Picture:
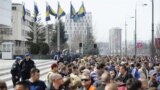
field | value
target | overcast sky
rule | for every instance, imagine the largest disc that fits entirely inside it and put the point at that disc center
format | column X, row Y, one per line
column 108, row 14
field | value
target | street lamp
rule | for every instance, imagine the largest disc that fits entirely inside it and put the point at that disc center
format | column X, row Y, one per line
column 136, row 29
column 126, row 51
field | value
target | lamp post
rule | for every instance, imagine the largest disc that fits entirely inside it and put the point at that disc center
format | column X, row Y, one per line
column 125, row 37
column 135, row 34
column 152, row 28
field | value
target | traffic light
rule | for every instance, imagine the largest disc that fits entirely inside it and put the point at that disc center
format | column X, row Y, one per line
column 80, row 44
column 95, row 45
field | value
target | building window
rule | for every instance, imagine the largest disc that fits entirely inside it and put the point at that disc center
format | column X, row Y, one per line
column 7, row 48
column 18, row 43
column 13, row 8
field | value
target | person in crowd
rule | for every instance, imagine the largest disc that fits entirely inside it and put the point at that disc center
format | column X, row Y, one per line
column 124, row 74
column 143, row 72
column 105, row 79
column 16, row 70
column 35, row 83
column 54, row 70
column 63, row 71
column 117, row 69
column 152, row 79
column 135, row 73
column 80, row 70
column 75, row 82
column 100, row 68
column 87, row 82
column 57, row 82
column 74, row 70
column 67, row 83
column 26, row 65
column 151, row 65
column 133, row 84
column 112, row 74
column 3, row 85
column 111, row 86
column 22, row 85
column 144, row 82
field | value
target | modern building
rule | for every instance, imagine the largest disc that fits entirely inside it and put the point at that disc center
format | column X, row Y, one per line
column 78, row 30
column 115, row 41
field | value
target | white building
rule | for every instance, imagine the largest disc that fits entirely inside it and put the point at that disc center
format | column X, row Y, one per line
column 115, row 41
column 5, row 19
column 20, row 28
column 77, row 30
column 18, row 33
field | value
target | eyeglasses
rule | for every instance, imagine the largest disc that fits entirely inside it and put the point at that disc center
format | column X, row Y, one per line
column 85, row 80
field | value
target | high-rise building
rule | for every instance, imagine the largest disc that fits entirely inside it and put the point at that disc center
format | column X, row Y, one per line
column 77, row 30
column 115, row 41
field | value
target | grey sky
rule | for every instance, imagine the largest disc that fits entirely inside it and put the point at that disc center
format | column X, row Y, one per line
column 108, row 14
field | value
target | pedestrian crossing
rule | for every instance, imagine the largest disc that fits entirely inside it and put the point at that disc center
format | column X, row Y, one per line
column 43, row 65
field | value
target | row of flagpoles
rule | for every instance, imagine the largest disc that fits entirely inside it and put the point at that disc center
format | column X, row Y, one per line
column 60, row 12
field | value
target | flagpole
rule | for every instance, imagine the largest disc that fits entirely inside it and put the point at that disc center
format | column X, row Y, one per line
column 82, row 43
column 35, row 33
column 70, row 37
column 24, row 35
column 58, row 34
column 23, row 27
column 47, row 32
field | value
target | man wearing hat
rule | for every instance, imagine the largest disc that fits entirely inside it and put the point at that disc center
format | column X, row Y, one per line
column 15, row 70
column 26, row 65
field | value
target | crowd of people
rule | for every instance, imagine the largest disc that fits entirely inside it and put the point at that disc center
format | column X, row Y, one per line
column 89, row 73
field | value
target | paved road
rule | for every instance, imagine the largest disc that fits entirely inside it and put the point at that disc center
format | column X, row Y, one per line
column 5, row 66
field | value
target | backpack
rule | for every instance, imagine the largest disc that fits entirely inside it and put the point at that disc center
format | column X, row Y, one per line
column 48, row 81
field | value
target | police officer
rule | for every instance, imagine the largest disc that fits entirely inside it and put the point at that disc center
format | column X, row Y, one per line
column 26, row 65
column 15, row 70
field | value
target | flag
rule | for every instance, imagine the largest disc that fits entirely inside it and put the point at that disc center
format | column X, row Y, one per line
column 60, row 11
column 47, row 12
column 23, row 13
column 52, row 12
column 81, row 11
column 36, row 12
column 72, row 12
